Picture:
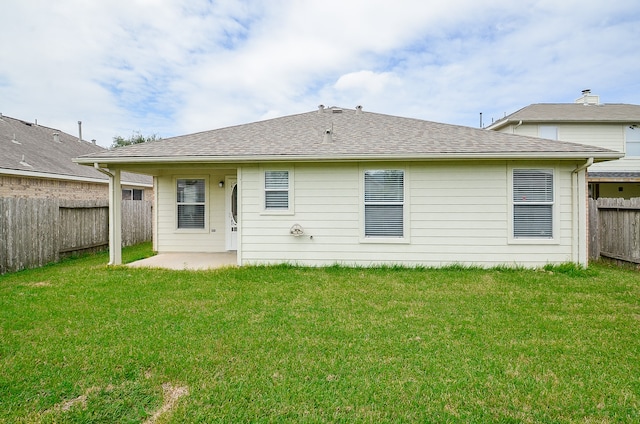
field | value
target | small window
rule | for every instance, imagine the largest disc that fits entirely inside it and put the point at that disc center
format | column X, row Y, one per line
column 132, row 194
column 191, row 203
column 632, row 137
column 384, row 203
column 533, row 200
column 548, row 131
column 276, row 190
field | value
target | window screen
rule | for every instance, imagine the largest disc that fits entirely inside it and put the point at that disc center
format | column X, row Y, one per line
column 533, row 203
column 191, row 203
column 384, row 203
column 276, row 190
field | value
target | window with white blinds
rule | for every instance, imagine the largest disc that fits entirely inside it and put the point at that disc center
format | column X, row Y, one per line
column 276, row 190
column 191, row 203
column 533, row 200
column 384, row 203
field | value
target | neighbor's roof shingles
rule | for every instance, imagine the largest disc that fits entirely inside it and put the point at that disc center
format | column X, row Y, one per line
column 355, row 135
column 43, row 155
column 572, row 113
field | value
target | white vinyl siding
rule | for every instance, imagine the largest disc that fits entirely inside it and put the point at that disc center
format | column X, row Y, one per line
column 190, row 199
column 276, row 190
column 455, row 212
column 211, row 238
column 533, row 200
column 384, row 203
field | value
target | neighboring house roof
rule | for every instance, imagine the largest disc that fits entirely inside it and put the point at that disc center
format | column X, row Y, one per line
column 343, row 134
column 33, row 150
column 572, row 113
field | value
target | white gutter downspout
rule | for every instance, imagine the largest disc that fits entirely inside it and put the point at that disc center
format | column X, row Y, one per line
column 580, row 250
column 115, row 215
column 516, row 127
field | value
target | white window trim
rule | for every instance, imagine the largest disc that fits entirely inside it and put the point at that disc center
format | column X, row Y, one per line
column 291, row 209
column 555, row 213
column 627, row 142
column 206, row 203
column 543, row 128
column 406, row 238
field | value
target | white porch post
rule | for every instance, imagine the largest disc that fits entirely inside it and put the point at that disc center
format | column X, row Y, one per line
column 115, row 218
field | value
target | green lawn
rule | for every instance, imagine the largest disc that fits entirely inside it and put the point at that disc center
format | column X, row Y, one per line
column 82, row 342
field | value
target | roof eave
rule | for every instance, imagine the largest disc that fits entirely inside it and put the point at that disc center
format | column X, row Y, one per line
column 598, row 157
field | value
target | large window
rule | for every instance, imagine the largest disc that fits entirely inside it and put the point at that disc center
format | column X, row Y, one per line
column 533, row 201
column 632, row 137
column 191, row 203
column 276, row 190
column 384, row 203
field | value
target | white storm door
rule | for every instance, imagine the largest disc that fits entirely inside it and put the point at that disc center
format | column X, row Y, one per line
column 232, row 212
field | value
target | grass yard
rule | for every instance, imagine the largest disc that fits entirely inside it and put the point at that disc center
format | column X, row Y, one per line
column 81, row 342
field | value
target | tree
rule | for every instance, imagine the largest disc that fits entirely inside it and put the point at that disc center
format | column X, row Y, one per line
column 136, row 138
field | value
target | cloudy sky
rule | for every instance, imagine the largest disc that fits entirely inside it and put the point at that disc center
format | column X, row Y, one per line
column 173, row 67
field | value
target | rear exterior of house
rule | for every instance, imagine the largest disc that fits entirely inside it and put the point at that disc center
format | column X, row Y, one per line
column 587, row 121
column 364, row 189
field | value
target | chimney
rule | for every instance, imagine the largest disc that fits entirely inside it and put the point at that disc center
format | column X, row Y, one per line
column 80, row 131
column 93, row 140
column 588, row 99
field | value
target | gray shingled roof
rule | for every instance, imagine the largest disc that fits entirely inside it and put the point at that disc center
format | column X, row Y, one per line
column 355, row 135
column 573, row 112
column 25, row 146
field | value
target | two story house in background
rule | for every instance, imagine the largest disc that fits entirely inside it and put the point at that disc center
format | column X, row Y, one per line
column 587, row 121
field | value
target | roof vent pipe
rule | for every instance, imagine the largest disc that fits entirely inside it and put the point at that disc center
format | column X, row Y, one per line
column 358, row 110
column 80, row 131
column 328, row 136
column 320, row 108
column 56, row 137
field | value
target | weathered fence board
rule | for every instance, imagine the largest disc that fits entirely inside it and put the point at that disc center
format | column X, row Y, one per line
column 34, row 232
column 615, row 225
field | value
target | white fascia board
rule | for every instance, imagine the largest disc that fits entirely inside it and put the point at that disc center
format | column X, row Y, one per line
column 598, row 156
column 49, row 176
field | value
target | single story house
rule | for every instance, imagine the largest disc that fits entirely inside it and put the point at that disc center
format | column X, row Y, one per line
column 36, row 161
column 346, row 186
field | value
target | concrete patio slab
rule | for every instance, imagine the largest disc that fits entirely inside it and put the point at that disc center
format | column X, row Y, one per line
column 188, row 261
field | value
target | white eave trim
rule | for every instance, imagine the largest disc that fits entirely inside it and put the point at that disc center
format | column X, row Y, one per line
column 104, row 162
column 49, row 176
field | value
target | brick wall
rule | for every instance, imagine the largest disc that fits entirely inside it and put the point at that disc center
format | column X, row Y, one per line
column 37, row 188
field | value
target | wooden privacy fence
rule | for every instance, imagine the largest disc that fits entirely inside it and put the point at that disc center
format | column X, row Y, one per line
column 614, row 229
column 34, row 232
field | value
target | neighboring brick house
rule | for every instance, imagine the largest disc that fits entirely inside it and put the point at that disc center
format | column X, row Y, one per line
column 612, row 126
column 36, row 162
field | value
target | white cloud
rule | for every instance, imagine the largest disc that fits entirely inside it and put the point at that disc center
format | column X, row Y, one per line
column 169, row 67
